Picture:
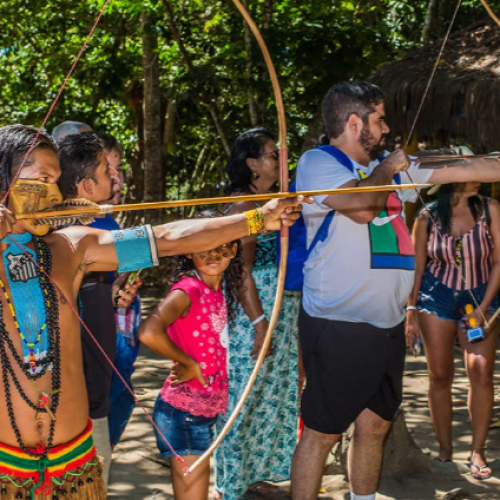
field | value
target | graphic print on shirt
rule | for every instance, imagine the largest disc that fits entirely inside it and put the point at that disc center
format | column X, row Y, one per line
column 390, row 241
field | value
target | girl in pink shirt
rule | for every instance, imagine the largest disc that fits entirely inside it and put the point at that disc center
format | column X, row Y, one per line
column 190, row 327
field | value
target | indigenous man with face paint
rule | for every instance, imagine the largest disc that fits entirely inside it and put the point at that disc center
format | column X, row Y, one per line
column 357, row 280
column 46, row 446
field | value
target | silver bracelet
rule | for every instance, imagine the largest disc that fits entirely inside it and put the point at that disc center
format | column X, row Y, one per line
column 258, row 320
column 411, row 308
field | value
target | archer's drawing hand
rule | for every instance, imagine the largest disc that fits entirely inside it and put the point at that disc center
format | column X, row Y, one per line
column 397, row 161
column 184, row 372
column 7, row 220
column 283, row 211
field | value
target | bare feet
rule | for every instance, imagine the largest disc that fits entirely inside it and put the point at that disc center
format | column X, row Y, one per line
column 479, row 466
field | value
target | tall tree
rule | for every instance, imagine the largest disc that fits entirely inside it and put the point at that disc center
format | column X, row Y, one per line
column 431, row 21
column 252, row 104
column 154, row 180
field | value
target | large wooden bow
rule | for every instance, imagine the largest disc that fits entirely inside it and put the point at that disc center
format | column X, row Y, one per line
column 490, row 12
column 284, row 186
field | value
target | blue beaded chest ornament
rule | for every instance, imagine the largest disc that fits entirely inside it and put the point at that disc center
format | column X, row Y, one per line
column 26, row 303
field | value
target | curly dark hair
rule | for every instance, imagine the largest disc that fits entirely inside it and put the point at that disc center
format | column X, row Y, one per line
column 250, row 144
column 234, row 275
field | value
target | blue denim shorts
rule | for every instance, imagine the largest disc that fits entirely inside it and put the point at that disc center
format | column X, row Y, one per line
column 447, row 303
column 188, row 434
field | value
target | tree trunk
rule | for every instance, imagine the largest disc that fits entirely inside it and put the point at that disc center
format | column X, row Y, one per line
column 214, row 112
column 402, row 457
column 263, row 93
column 428, row 32
column 135, row 176
column 211, row 104
column 154, row 182
column 168, row 145
column 252, row 106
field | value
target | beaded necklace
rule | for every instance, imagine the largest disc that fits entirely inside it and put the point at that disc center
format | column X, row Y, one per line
column 52, row 359
column 32, row 361
column 23, row 279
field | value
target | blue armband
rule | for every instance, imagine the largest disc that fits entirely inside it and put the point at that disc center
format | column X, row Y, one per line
column 135, row 248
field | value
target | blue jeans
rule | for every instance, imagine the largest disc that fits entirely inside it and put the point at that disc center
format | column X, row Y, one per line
column 447, row 303
column 188, row 434
column 122, row 405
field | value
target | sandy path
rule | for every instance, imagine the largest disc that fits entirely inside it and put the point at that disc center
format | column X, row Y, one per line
column 137, row 473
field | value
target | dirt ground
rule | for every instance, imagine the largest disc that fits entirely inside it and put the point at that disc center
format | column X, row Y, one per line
column 138, row 473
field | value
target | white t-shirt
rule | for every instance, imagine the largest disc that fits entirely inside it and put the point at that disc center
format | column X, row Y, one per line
column 361, row 272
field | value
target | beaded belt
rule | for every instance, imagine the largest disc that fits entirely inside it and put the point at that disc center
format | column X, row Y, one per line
column 64, row 463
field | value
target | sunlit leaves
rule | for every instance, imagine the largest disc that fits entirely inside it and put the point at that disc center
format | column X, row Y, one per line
column 314, row 44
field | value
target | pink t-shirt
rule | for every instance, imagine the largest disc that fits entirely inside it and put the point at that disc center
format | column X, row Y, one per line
column 202, row 334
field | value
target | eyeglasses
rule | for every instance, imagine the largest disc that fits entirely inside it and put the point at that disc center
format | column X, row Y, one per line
column 458, row 255
column 273, row 154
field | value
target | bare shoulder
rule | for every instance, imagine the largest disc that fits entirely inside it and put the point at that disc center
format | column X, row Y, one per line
column 74, row 240
column 72, row 236
column 494, row 208
column 493, row 204
column 423, row 222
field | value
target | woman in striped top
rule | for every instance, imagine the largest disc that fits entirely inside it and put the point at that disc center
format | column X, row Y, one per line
column 457, row 247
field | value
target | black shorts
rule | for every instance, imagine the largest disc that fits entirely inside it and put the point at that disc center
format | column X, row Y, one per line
column 349, row 367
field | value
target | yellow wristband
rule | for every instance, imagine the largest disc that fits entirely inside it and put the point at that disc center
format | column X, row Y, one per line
column 255, row 221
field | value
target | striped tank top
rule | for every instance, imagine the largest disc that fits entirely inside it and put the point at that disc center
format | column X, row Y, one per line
column 462, row 262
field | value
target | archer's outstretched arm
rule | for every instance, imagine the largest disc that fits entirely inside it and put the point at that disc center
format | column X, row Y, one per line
column 98, row 249
column 472, row 169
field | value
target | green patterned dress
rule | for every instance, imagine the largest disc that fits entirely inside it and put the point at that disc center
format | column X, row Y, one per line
column 260, row 445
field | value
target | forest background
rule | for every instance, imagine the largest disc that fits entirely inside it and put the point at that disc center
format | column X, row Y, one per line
column 177, row 82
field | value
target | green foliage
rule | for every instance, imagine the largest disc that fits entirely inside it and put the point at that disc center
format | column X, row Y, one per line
column 314, row 44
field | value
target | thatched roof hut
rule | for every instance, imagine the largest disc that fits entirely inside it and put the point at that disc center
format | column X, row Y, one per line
column 463, row 102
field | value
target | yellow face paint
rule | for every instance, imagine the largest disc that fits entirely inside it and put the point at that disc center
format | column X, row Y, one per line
column 31, row 195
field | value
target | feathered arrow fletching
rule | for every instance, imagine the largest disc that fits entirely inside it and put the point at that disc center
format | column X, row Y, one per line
column 55, row 221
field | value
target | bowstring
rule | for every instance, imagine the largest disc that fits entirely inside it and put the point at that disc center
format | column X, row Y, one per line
column 408, row 140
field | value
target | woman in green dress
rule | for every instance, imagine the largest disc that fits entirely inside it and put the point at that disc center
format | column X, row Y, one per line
column 260, row 445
